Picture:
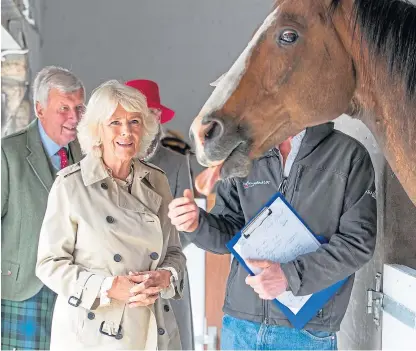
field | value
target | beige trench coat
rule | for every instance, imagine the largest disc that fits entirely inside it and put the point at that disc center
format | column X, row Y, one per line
column 95, row 229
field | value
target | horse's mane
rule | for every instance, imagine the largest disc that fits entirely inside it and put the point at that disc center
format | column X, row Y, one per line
column 389, row 28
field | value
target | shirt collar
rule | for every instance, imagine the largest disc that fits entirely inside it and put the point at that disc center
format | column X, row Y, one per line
column 50, row 146
column 295, row 144
column 296, row 141
column 93, row 170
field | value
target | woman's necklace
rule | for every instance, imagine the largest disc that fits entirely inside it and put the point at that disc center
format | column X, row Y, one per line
column 124, row 183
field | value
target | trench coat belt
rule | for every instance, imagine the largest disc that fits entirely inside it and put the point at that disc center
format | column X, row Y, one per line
column 112, row 324
column 86, row 290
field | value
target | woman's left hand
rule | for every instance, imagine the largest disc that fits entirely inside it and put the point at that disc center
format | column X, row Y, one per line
column 148, row 286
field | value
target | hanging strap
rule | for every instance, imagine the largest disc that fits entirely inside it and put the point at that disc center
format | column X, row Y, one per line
column 191, row 181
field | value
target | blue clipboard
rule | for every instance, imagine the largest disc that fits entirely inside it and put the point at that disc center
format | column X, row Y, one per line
column 317, row 300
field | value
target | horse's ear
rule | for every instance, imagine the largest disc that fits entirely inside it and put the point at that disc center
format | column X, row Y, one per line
column 218, row 80
column 255, row 31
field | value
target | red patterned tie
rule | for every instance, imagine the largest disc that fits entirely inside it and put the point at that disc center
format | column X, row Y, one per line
column 64, row 157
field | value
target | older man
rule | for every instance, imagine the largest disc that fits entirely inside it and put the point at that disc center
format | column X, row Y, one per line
column 30, row 160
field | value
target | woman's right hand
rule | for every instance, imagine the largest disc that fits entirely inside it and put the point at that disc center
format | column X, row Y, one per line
column 120, row 290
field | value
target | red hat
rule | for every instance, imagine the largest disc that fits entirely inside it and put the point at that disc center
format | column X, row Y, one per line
column 150, row 89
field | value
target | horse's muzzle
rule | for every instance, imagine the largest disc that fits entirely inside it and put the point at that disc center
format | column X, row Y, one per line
column 213, row 140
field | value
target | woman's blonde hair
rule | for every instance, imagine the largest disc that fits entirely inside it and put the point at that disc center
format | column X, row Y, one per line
column 101, row 106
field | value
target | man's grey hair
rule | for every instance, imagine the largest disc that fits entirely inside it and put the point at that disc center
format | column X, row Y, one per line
column 54, row 77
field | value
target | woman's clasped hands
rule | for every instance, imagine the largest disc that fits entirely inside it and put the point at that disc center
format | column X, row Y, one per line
column 139, row 288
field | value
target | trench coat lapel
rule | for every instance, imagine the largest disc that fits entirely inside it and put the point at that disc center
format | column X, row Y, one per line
column 143, row 188
column 142, row 198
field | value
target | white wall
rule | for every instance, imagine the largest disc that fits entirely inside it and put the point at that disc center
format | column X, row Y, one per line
column 182, row 44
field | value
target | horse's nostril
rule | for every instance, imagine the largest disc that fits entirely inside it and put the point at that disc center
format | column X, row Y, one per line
column 209, row 130
column 213, row 131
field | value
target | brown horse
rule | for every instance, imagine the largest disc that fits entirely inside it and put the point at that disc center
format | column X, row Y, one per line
column 309, row 62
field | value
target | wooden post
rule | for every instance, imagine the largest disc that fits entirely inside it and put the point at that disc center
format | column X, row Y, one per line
column 217, row 268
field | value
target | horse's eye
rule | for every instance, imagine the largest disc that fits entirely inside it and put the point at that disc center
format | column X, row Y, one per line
column 288, row 37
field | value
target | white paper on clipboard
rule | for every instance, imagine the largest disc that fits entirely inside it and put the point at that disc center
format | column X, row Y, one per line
column 278, row 235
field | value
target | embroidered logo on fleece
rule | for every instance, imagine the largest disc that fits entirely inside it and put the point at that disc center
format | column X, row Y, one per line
column 249, row 184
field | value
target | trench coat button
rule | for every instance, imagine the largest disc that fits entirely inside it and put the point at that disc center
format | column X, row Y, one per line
column 91, row 315
column 109, row 219
column 166, row 308
column 117, row 257
column 104, row 186
column 119, row 336
column 161, row 331
column 154, row 256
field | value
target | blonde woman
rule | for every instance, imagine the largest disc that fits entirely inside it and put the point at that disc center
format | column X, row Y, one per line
column 107, row 247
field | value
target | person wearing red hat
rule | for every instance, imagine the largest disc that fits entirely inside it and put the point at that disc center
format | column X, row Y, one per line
column 150, row 89
column 176, row 168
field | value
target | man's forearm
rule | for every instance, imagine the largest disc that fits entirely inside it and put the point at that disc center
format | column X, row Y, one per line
column 331, row 263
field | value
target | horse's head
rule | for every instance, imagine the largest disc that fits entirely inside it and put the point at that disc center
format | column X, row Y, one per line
column 294, row 73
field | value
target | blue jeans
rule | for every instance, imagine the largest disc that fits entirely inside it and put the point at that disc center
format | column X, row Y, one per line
column 238, row 334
